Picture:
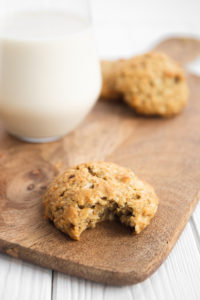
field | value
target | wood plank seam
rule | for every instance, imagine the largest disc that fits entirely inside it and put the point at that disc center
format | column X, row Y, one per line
column 195, row 233
column 52, row 284
column 154, row 293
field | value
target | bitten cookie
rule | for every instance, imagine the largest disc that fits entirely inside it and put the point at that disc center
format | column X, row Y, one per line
column 153, row 84
column 109, row 71
column 98, row 191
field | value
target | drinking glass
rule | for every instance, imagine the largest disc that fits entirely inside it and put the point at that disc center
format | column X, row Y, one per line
column 49, row 69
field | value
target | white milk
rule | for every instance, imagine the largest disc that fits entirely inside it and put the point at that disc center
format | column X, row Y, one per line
column 49, row 73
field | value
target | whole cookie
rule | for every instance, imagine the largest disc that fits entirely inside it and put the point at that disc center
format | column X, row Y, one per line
column 153, row 84
column 98, row 191
column 109, row 71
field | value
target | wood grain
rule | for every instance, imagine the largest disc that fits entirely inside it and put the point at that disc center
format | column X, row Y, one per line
column 184, row 49
column 163, row 152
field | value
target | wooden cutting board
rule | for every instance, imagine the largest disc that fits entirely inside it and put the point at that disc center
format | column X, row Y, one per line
column 165, row 152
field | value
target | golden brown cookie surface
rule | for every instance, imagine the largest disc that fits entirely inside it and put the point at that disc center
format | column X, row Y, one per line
column 153, row 84
column 98, row 191
column 109, row 71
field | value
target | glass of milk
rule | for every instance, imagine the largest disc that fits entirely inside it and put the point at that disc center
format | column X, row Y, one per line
column 49, row 69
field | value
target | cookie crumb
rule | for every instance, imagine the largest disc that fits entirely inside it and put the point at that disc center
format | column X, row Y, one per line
column 35, row 173
column 59, row 165
column 14, row 252
column 30, row 187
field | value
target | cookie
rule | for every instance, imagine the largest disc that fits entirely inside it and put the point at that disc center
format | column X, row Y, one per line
column 153, row 84
column 92, row 192
column 109, row 71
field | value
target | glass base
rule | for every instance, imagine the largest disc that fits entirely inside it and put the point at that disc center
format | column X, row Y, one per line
column 37, row 140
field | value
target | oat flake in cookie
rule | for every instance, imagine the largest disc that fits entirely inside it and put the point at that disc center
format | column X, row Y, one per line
column 98, row 191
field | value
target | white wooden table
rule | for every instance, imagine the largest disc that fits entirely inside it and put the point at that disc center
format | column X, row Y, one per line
column 123, row 28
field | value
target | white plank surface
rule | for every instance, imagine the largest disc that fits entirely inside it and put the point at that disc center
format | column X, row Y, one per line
column 20, row 280
column 195, row 223
column 123, row 28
